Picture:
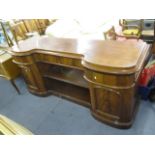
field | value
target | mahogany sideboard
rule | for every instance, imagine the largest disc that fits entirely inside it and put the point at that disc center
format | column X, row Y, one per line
column 101, row 75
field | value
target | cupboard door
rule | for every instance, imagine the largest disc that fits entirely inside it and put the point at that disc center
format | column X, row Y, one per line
column 29, row 77
column 106, row 101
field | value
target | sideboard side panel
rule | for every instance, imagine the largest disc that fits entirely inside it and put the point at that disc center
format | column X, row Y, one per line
column 31, row 74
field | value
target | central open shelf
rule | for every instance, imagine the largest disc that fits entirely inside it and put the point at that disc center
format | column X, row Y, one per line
column 68, row 75
column 66, row 82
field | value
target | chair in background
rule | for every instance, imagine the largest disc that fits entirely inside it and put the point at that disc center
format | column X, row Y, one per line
column 25, row 28
column 112, row 35
column 131, row 28
column 19, row 31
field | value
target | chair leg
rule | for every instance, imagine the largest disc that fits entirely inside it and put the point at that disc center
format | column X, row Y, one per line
column 14, row 85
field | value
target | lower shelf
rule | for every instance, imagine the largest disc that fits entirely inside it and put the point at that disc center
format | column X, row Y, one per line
column 69, row 91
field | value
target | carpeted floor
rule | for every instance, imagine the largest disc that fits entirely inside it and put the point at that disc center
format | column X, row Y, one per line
column 54, row 115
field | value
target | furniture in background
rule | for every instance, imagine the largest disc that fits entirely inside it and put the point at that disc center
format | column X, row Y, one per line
column 38, row 25
column 24, row 28
column 148, row 36
column 112, row 35
column 102, row 75
column 8, row 69
column 19, row 31
column 148, row 30
column 6, row 36
column 131, row 27
column 9, row 127
column 5, row 26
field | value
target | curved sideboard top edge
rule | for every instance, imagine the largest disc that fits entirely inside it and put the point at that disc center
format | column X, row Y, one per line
column 102, row 56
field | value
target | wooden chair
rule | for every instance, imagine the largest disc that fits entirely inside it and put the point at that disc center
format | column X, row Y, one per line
column 24, row 28
column 112, row 35
column 19, row 31
column 129, row 29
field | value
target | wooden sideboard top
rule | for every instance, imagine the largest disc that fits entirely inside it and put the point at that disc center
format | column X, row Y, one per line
column 46, row 43
column 96, row 54
column 116, row 55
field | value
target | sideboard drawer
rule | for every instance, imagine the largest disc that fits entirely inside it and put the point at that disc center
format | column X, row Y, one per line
column 110, row 79
column 46, row 58
column 64, row 61
column 70, row 62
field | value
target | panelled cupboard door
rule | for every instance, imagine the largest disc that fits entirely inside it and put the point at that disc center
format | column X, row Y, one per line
column 29, row 77
column 105, row 101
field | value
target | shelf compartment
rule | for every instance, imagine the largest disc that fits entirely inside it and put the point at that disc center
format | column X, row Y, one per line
column 69, row 91
column 71, row 76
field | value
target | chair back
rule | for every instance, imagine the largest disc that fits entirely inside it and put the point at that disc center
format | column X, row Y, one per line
column 110, row 34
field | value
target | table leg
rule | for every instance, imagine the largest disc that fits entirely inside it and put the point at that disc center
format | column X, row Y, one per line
column 14, row 85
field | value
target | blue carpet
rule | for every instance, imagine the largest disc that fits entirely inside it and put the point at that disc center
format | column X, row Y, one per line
column 53, row 115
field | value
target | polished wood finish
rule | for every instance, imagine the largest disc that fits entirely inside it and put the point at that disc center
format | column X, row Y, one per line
column 102, row 75
column 116, row 56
